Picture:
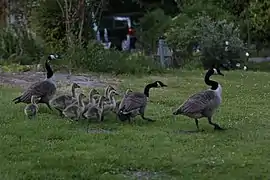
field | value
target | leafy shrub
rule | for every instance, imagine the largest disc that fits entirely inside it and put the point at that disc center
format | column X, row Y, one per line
column 209, row 36
column 19, row 46
column 152, row 26
column 96, row 59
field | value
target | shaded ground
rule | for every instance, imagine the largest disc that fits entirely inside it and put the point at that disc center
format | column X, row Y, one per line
column 24, row 79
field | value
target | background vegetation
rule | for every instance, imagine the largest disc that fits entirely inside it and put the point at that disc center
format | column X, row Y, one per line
column 64, row 26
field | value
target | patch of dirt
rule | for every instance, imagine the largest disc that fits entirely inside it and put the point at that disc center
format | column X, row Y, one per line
column 145, row 175
column 25, row 79
column 100, row 131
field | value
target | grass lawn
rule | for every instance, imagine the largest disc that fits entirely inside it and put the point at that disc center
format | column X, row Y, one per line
column 51, row 148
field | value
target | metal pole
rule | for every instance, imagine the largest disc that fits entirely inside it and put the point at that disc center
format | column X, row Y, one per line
column 161, row 51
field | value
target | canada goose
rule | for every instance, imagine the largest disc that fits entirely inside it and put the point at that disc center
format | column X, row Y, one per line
column 62, row 101
column 31, row 110
column 204, row 103
column 96, row 110
column 119, row 101
column 75, row 110
column 107, row 91
column 106, row 94
column 91, row 101
column 134, row 103
column 110, row 106
column 44, row 90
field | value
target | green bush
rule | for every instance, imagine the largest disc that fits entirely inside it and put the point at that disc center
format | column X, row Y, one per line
column 210, row 35
column 17, row 45
column 152, row 26
column 96, row 59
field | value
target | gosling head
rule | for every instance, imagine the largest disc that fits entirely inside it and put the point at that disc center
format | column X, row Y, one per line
column 75, row 85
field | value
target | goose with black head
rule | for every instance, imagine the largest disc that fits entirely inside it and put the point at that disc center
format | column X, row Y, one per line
column 45, row 90
column 204, row 103
column 134, row 103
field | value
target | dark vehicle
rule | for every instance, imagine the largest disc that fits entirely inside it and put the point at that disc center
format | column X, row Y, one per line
column 119, row 29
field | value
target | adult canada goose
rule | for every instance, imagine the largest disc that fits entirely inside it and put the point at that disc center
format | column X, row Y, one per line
column 134, row 103
column 44, row 90
column 62, row 101
column 75, row 110
column 31, row 110
column 204, row 103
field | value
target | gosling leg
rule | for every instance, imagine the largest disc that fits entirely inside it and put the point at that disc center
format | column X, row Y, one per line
column 60, row 112
column 49, row 106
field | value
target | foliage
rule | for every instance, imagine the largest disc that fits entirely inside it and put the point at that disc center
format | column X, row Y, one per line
column 259, row 15
column 19, row 45
column 209, row 36
column 152, row 26
column 62, row 22
column 49, row 23
column 97, row 59
column 198, row 8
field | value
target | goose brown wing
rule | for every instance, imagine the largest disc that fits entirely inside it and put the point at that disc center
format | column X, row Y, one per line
column 198, row 102
column 133, row 101
column 39, row 89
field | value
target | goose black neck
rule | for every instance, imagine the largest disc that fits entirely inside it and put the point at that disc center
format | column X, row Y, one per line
column 213, row 84
column 147, row 89
column 49, row 70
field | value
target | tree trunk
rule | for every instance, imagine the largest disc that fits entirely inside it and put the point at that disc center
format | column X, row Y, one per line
column 3, row 13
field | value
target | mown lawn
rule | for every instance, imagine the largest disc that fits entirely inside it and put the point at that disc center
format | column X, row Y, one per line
column 51, row 148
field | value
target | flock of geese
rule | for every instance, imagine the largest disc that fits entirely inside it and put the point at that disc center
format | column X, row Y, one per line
column 200, row 105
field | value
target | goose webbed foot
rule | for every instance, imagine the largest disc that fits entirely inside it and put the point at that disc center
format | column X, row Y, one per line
column 147, row 119
column 216, row 126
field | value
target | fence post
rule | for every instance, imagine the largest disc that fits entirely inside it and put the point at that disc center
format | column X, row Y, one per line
column 161, row 51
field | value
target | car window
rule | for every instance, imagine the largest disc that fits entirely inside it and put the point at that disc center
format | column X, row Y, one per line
column 106, row 23
column 120, row 24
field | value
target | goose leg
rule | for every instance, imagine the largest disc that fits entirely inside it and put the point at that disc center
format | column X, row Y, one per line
column 141, row 111
column 197, row 125
column 216, row 126
column 147, row 119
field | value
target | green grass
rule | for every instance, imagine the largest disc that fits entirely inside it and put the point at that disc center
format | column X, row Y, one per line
column 52, row 148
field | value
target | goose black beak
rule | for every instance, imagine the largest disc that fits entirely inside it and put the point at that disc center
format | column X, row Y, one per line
column 221, row 74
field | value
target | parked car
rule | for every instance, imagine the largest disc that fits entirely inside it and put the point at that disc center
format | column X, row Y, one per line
column 120, row 31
